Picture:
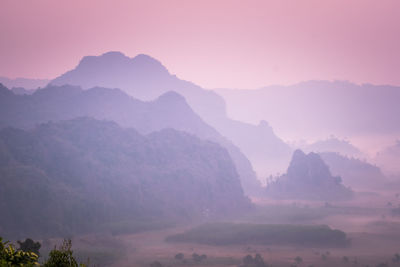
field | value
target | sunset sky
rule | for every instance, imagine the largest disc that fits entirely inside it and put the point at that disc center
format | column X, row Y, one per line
column 214, row 43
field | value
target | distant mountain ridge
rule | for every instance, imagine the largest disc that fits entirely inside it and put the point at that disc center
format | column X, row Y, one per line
column 333, row 144
column 319, row 108
column 388, row 158
column 170, row 110
column 145, row 78
column 142, row 77
column 27, row 84
column 355, row 173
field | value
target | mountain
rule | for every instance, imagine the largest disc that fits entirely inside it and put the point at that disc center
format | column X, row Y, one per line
column 27, row 84
column 315, row 109
column 170, row 110
column 22, row 91
column 333, row 144
column 145, row 78
column 356, row 173
column 388, row 159
column 73, row 176
column 142, row 77
column 267, row 152
column 308, row 178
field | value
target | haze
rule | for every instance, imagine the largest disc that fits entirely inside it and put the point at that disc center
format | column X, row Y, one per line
column 199, row 133
column 225, row 43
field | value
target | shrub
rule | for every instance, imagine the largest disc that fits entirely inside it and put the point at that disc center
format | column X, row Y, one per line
column 62, row 257
column 9, row 256
column 345, row 259
column 257, row 261
column 30, row 246
column 179, row 256
column 156, row 264
column 298, row 260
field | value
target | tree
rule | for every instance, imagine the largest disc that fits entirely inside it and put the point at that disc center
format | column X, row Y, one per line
column 156, row 264
column 345, row 259
column 9, row 256
column 298, row 260
column 196, row 257
column 257, row 261
column 29, row 246
column 62, row 257
column 179, row 256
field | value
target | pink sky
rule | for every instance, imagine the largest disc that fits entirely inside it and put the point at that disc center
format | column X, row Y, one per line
column 214, row 43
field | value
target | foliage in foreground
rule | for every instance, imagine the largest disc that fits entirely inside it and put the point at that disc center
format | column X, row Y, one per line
column 30, row 246
column 61, row 257
column 10, row 256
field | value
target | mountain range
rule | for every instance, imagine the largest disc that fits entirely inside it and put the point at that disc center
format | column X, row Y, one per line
column 55, row 103
column 388, row 158
column 25, row 83
column 73, row 176
column 333, row 144
column 356, row 173
column 317, row 109
column 145, row 78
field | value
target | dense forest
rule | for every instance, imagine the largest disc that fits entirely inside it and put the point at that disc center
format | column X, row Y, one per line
column 73, row 176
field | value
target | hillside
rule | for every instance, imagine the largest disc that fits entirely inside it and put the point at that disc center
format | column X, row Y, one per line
column 319, row 108
column 308, row 178
column 333, row 144
column 73, row 176
column 142, row 77
column 145, row 78
column 388, row 158
column 27, row 84
column 170, row 110
column 355, row 173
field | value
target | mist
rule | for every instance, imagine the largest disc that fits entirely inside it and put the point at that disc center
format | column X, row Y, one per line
column 146, row 153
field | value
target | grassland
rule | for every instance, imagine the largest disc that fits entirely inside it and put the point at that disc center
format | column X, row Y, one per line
column 265, row 234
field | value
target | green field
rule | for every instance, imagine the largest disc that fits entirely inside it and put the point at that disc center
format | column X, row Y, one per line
column 263, row 234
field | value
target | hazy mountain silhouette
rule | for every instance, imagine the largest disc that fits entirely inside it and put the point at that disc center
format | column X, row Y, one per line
column 142, row 77
column 308, row 177
column 145, row 78
column 388, row 158
column 319, row 108
column 333, row 144
column 65, row 177
column 268, row 154
column 170, row 110
column 355, row 173
column 27, row 84
column 22, row 91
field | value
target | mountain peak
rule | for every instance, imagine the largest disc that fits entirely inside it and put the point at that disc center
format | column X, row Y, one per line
column 114, row 54
column 2, row 86
column 172, row 97
column 308, row 177
column 298, row 153
column 4, row 91
column 116, row 70
column 112, row 57
column 146, row 58
column 119, row 58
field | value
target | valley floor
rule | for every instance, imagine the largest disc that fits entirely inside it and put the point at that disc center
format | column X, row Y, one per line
column 374, row 233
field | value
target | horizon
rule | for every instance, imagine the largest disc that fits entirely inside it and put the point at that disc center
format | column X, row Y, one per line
column 215, row 88
column 224, row 44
